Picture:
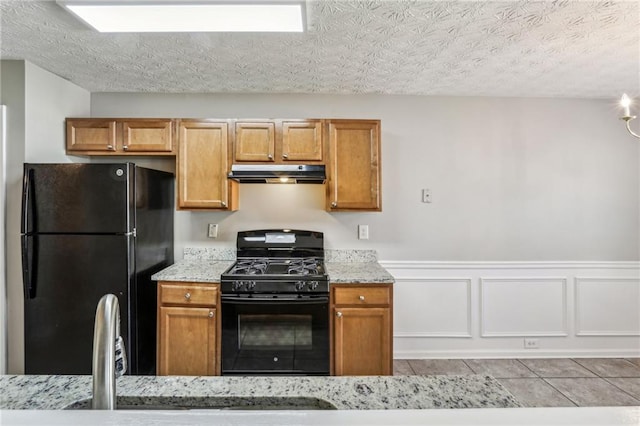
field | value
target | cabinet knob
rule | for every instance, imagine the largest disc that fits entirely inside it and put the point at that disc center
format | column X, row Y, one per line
column 339, row 314
column 110, row 147
column 223, row 204
column 285, row 156
column 361, row 298
column 210, row 314
column 334, row 204
column 270, row 157
column 125, row 147
column 187, row 295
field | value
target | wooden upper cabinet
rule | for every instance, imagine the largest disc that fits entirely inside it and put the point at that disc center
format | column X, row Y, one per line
column 278, row 141
column 302, row 140
column 108, row 136
column 95, row 135
column 203, row 165
column 147, row 136
column 353, row 165
column 254, row 141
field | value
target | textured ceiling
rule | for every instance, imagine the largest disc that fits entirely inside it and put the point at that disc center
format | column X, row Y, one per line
column 477, row 48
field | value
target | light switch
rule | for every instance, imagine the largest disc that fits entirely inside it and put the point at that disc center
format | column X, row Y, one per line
column 363, row 232
column 426, row 195
column 213, row 230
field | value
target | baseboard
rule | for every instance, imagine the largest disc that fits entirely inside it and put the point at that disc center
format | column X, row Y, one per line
column 506, row 354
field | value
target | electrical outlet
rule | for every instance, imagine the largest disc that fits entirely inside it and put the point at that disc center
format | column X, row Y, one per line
column 363, row 232
column 531, row 344
column 426, row 195
column 212, row 231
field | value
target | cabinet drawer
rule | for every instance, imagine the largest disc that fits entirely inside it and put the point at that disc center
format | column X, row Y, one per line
column 362, row 295
column 188, row 294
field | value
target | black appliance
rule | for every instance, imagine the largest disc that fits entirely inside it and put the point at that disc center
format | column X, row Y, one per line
column 89, row 230
column 277, row 173
column 275, row 305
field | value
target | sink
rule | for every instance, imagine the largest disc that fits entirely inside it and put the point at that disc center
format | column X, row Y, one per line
column 211, row 403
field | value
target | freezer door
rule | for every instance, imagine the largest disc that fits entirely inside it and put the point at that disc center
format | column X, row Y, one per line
column 69, row 274
column 78, row 198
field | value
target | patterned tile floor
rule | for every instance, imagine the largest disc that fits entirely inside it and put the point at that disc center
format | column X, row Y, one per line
column 561, row 382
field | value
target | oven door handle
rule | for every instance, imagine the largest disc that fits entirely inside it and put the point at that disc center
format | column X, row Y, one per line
column 274, row 300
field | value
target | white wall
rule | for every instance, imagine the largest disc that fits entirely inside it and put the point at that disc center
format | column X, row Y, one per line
column 3, row 271
column 37, row 104
column 535, row 216
column 512, row 179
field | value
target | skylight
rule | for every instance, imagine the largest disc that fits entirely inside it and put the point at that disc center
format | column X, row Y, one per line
column 175, row 16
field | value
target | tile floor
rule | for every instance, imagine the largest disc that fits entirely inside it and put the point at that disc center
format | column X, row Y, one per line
column 561, row 382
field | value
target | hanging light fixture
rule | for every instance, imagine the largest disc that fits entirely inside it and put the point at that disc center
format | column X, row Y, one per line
column 625, row 102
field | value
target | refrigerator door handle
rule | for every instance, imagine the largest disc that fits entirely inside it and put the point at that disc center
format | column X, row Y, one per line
column 29, row 260
column 27, row 202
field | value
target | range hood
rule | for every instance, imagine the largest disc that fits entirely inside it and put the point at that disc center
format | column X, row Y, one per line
column 277, row 173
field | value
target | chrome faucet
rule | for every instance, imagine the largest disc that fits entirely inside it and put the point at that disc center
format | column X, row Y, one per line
column 109, row 358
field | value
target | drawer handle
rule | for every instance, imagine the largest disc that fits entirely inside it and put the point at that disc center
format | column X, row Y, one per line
column 210, row 314
column 223, row 204
column 339, row 314
column 334, row 204
column 285, row 156
column 361, row 298
column 187, row 295
column 270, row 157
column 125, row 147
column 110, row 147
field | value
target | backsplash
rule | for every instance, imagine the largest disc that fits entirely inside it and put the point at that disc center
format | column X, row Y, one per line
column 209, row 253
column 331, row 255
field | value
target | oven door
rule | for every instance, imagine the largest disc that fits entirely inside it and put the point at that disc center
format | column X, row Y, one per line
column 275, row 334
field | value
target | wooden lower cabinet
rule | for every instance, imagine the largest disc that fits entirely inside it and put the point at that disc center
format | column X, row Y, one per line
column 362, row 330
column 187, row 341
column 188, row 329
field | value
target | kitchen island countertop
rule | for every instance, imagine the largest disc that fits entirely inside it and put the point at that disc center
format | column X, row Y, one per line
column 342, row 393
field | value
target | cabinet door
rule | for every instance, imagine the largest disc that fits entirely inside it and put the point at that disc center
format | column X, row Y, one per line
column 91, row 135
column 302, row 140
column 353, row 168
column 254, row 141
column 147, row 136
column 203, row 164
column 187, row 341
column 362, row 341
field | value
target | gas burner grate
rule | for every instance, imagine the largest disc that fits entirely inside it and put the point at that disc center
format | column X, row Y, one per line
column 250, row 267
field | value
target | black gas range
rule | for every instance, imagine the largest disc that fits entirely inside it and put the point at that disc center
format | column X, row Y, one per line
column 275, row 305
column 277, row 262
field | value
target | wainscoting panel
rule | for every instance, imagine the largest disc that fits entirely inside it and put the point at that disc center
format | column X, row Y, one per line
column 488, row 309
column 523, row 306
column 443, row 306
column 607, row 306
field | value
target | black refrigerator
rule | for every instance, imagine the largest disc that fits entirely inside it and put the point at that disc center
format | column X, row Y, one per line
column 89, row 230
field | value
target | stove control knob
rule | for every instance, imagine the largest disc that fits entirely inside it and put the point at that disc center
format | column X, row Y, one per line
column 237, row 285
column 313, row 285
column 251, row 285
column 300, row 285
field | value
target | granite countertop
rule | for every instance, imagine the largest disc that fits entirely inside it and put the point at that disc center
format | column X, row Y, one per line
column 194, row 270
column 342, row 393
column 343, row 266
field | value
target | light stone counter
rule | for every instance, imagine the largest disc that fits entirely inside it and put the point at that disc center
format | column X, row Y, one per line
column 342, row 393
column 357, row 272
column 201, row 271
column 343, row 267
